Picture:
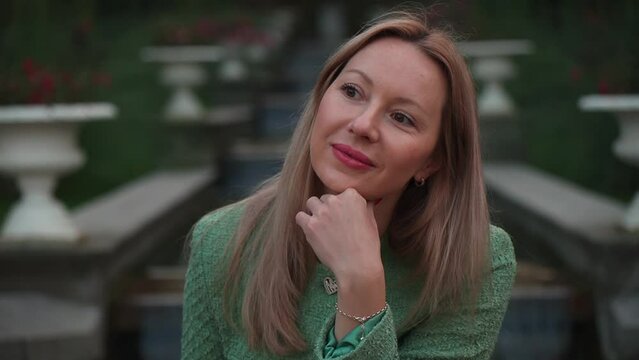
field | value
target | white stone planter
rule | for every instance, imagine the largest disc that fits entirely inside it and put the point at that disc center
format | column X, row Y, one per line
column 492, row 66
column 233, row 69
column 626, row 147
column 184, row 71
column 37, row 145
column 331, row 24
column 278, row 26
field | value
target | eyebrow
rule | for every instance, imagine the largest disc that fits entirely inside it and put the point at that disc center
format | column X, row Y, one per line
column 399, row 99
column 362, row 74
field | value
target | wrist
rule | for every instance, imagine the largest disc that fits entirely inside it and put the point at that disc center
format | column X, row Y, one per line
column 361, row 319
column 366, row 291
column 356, row 281
column 360, row 276
column 358, row 297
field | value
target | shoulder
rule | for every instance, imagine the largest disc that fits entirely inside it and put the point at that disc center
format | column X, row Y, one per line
column 221, row 222
column 502, row 271
column 502, row 251
column 211, row 234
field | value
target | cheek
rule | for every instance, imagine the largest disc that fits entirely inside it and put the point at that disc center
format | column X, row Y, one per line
column 324, row 113
column 413, row 157
column 326, row 123
column 316, row 142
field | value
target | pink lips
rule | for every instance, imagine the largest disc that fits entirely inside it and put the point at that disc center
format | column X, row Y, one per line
column 351, row 157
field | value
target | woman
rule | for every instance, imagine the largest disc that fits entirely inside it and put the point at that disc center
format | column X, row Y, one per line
column 374, row 240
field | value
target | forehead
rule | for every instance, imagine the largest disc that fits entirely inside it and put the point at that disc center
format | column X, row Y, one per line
column 401, row 68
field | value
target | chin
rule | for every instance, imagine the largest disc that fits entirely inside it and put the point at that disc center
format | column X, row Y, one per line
column 338, row 187
column 333, row 185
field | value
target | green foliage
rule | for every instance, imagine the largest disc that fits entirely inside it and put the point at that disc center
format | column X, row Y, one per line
column 580, row 48
column 130, row 145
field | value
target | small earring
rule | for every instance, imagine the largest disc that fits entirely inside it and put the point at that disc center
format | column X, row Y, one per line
column 420, row 182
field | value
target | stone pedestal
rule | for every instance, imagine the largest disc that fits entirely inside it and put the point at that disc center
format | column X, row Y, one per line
column 38, row 145
column 626, row 147
column 205, row 141
column 492, row 66
column 183, row 71
column 124, row 230
column 501, row 135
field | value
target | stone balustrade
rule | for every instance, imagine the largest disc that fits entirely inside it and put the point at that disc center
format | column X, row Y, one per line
column 577, row 231
column 123, row 229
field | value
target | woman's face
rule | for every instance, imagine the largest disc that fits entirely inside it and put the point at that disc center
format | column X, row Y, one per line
column 378, row 123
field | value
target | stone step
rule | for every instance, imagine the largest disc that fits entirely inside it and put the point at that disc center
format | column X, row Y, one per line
column 38, row 327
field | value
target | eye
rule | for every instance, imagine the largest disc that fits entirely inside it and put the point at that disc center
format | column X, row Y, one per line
column 350, row 90
column 402, row 118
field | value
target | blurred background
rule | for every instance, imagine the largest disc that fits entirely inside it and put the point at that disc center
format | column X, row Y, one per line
column 123, row 122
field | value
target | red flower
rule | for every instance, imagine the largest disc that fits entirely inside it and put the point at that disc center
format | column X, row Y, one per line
column 47, row 85
column 206, row 29
column 37, row 84
column 603, row 87
column 67, row 78
column 36, row 97
column 29, row 67
column 102, row 79
column 180, row 36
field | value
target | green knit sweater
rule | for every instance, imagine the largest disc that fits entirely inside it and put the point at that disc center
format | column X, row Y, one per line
column 454, row 335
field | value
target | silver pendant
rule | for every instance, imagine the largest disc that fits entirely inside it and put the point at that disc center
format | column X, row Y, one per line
column 330, row 286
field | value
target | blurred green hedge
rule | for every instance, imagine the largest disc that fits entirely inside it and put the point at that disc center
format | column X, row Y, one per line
column 581, row 48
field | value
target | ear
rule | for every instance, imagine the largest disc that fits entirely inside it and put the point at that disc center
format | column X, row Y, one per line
column 432, row 165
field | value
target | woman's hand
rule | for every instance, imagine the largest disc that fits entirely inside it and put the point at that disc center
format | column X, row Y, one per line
column 342, row 231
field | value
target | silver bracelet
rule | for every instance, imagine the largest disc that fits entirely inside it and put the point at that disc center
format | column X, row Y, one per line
column 361, row 319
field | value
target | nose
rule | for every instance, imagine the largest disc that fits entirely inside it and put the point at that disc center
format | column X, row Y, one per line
column 366, row 124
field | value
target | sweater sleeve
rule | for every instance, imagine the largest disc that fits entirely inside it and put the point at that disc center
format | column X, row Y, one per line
column 200, row 334
column 448, row 336
column 334, row 348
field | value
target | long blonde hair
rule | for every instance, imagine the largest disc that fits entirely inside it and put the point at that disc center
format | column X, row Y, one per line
column 442, row 227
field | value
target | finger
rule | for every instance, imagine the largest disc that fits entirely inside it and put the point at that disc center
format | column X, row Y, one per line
column 371, row 205
column 313, row 204
column 350, row 192
column 355, row 196
column 324, row 198
column 302, row 218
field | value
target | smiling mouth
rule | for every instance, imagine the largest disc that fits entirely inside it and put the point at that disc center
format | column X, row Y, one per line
column 351, row 157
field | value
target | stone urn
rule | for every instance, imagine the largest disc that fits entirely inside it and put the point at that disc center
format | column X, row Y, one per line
column 501, row 134
column 37, row 146
column 233, row 68
column 626, row 146
column 492, row 66
column 183, row 71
